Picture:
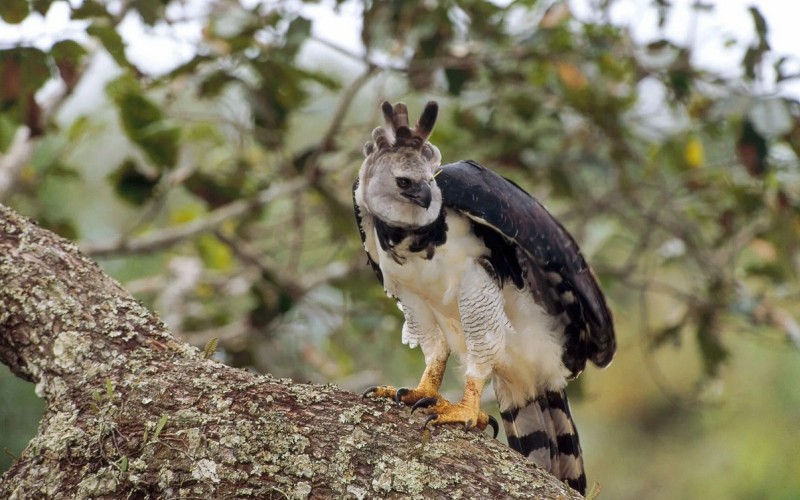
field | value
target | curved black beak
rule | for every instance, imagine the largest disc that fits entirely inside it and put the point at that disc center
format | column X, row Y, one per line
column 419, row 193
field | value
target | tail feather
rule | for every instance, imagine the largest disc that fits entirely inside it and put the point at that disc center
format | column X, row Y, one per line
column 543, row 430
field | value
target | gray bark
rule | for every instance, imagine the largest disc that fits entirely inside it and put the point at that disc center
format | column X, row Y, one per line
column 131, row 412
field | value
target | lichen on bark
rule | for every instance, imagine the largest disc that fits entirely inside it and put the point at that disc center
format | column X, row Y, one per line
column 133, row 413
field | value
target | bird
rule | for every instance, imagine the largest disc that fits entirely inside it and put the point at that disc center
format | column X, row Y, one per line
column 482, row 270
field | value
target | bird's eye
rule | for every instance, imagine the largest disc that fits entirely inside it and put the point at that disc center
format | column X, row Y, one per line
column 403, row 182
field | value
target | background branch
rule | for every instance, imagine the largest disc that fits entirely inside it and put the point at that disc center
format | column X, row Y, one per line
column 163, row 238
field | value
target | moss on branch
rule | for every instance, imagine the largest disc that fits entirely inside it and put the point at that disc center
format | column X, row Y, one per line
column 132, row 412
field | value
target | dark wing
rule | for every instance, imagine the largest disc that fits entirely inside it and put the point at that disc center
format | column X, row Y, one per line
column 359, row 222
column 529, row 245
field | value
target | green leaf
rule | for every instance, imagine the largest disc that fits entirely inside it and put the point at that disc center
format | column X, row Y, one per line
column 770, row 270
column 680, row 82
column 285, row 303
column 8, row 128
column 23, row 70
column 125, row 85
column 137, row 112
column 760, row 25
column 48, row 154
column 130, row 184
column 188, row 68
column 160, row 426
column 712, row 351
column 150, row 10
column 298, row 32
column 111, row 40
column 160, row 142
column 213, row 84
column 215, row 254
column 78, row 129
column 41, row 6
column 62, row 227
column 668, row 334
column 144, row 123
column 561, row 182
column 456, row 79
column 67, row 51
column 750, row 61
column 90, row 9
column 14, row 11
column 68, row 56
column 752, row 150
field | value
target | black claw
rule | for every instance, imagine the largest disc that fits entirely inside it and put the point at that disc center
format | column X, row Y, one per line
column 468, row 425
column 398, row 395
column 369, row 391
column 424, row 403
column 494, row 425
column 427, row 420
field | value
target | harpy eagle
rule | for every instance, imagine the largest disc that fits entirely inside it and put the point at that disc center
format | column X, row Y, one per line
column 481, row 269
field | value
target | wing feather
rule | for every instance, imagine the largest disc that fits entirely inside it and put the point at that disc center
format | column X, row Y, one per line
column 529, row 243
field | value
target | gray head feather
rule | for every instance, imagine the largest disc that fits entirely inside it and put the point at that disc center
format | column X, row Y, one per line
column 396, row 181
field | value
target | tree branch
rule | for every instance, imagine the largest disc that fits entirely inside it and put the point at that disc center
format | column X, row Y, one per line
column 170, row 236
column 11, row 163
column 131, row 412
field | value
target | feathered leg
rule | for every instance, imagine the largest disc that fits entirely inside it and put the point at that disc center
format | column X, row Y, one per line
column 420, row 329
column 484, row 323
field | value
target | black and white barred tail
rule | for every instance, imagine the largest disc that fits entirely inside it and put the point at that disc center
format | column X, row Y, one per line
column 544, row 431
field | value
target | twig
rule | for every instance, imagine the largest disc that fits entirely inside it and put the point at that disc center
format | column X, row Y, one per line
column 19, row 153
column 271, row 271
column 226, row 333
column 158, row 240
column 326, row 144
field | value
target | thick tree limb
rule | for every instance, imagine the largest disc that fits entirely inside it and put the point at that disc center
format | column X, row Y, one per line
column 133, row 413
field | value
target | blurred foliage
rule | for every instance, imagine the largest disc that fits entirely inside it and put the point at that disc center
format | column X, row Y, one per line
column 19, row 420
column 219, row 193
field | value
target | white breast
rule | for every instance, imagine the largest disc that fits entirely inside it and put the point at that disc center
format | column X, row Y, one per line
column 435, row 281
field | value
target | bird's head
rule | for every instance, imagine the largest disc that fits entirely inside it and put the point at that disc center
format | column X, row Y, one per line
column 396, row 179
